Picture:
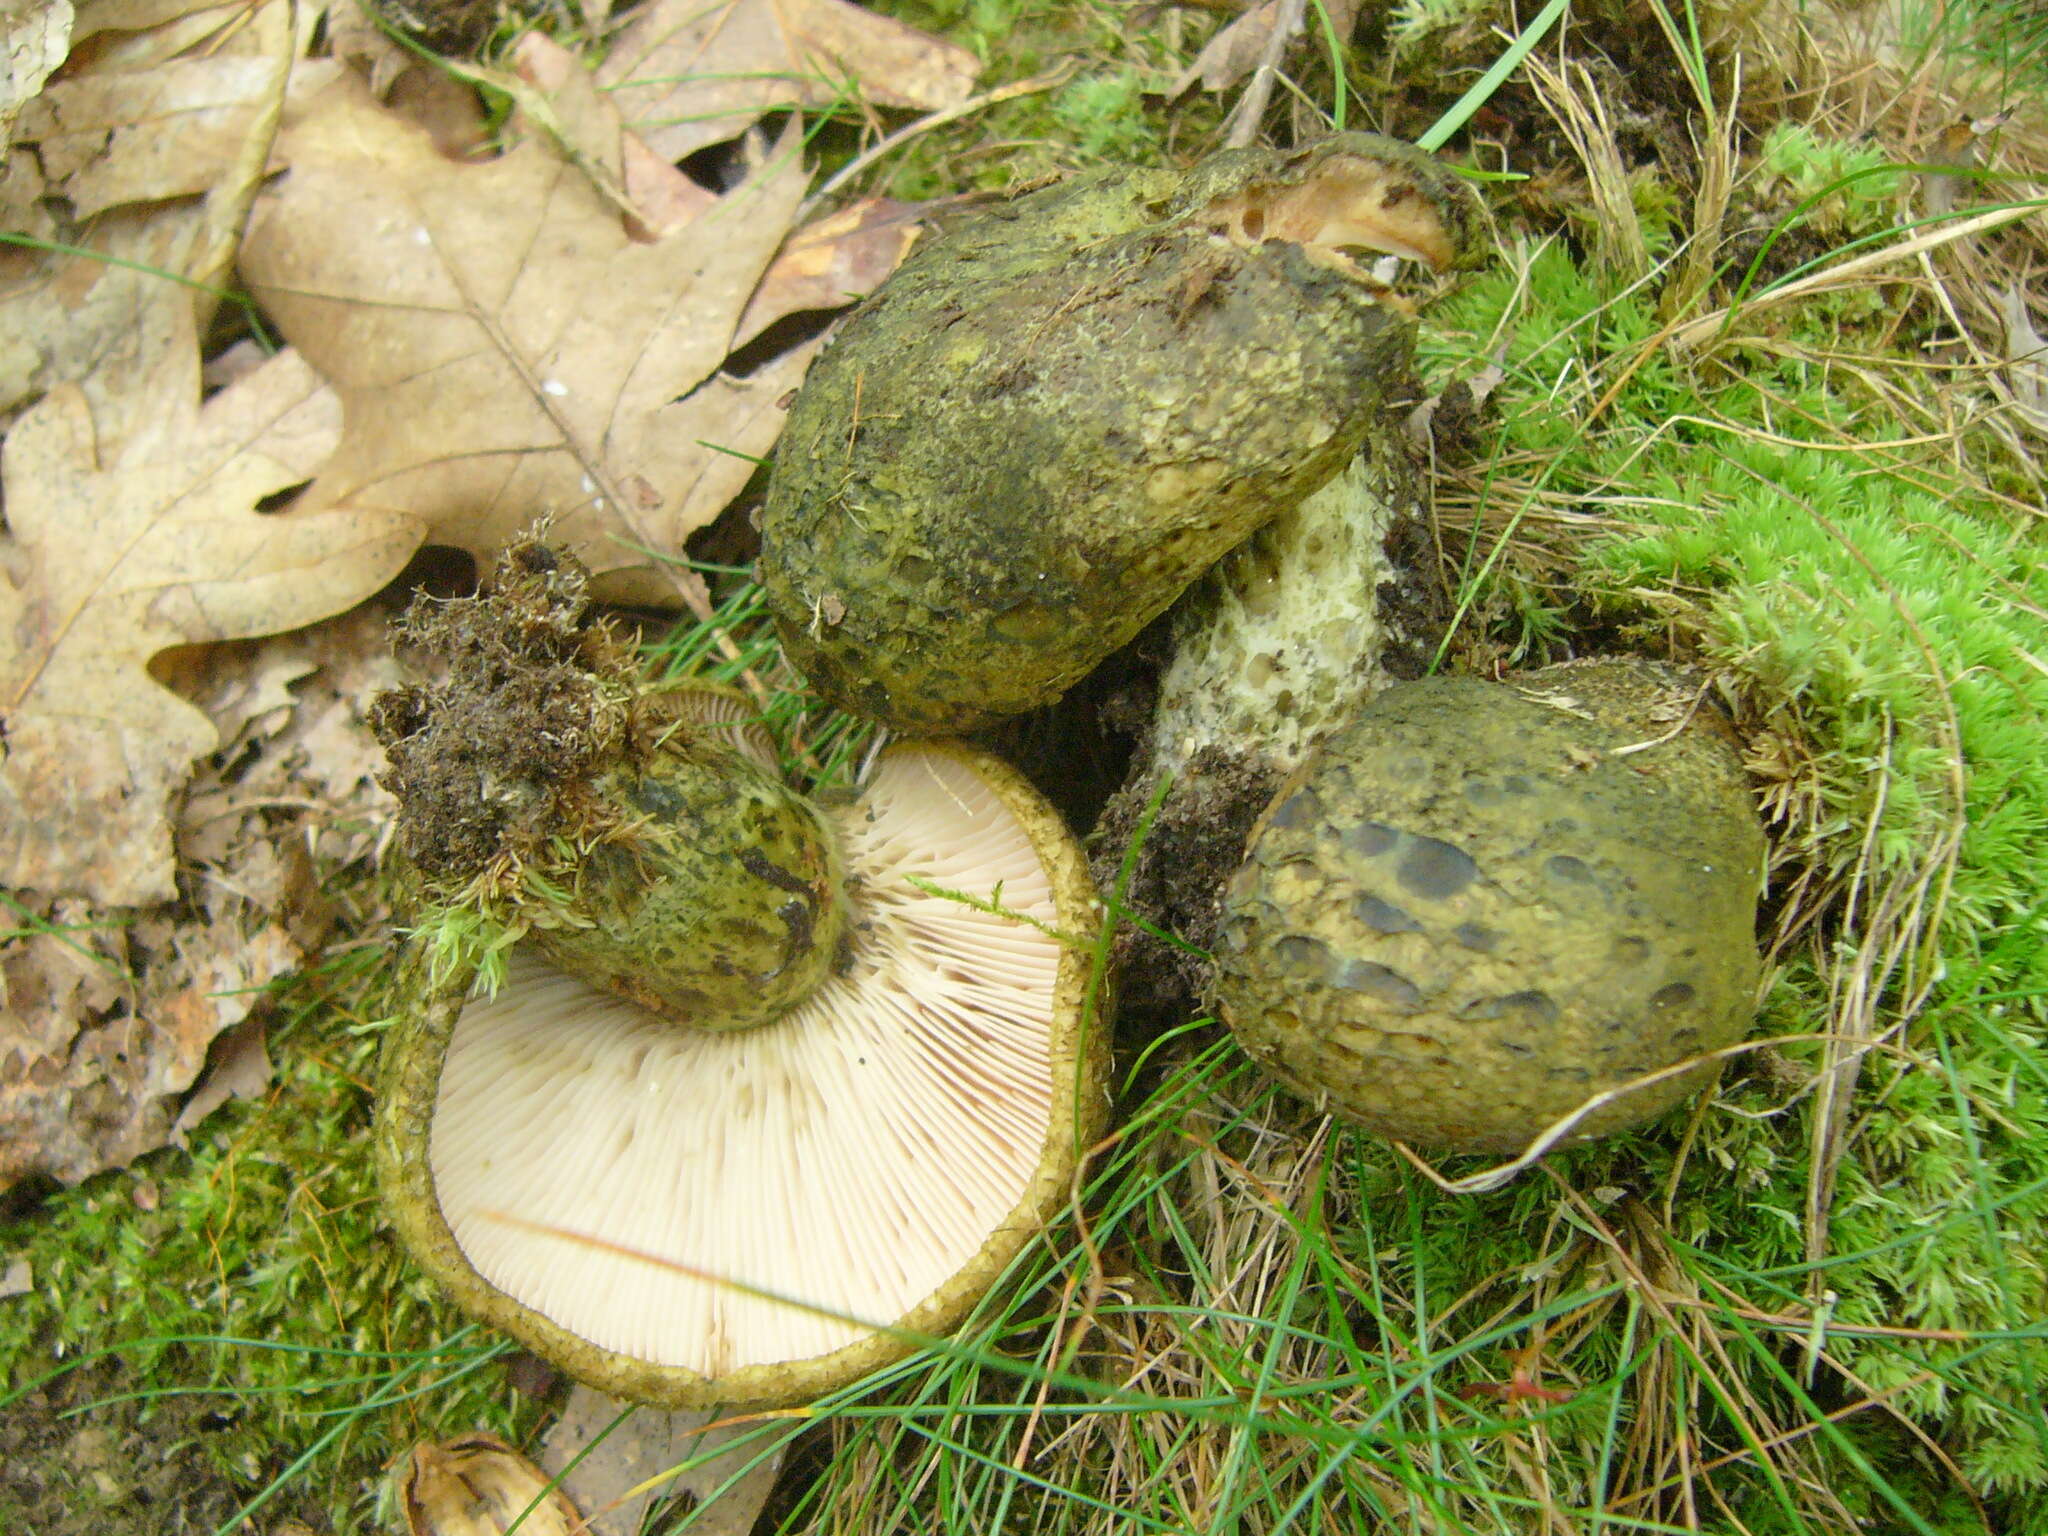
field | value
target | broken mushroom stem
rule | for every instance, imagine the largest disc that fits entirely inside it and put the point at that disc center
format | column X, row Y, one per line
column 640, row 843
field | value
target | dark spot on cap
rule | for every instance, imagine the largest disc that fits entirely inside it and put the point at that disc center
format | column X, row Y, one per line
column 1631, row 949
column 1677, row 995
column 656, row 797
column 1300, row 809
column 1301, row 954
column 1436, row 870
column 1389, row 986
column 1369, row 839
column 1515, row 784
column 1530, row 1007
column 1477, row 936
column 1564, row 867
column 1383, row 916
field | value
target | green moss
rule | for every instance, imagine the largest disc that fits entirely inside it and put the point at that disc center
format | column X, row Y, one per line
column 1841, row 189
column 252, row 1276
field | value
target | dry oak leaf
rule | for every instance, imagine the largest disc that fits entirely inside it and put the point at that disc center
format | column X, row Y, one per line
column 96, row 1057
column 75, row 313
column 503, row 348
column 35, row 35
column 113, row 556
column 687, row 73
column 107, row 137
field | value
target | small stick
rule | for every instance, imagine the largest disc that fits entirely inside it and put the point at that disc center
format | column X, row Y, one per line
column 1251, row 106
column 939, row 119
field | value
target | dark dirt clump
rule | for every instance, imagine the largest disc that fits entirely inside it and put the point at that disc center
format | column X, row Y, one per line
column 532, row 703
column 1195, row 842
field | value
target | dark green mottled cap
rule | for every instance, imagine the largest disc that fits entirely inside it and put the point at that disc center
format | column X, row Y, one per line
column 1481, row 904
column 1046, row 424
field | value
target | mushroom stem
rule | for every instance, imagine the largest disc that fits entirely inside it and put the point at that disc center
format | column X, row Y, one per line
column 1287, row 635
column 542, row 789
column 1325, row 602
column 1278, row 643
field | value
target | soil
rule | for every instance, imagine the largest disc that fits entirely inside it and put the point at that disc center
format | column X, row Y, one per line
column 480, row 761
column 76, row 1460
column 1195, row 844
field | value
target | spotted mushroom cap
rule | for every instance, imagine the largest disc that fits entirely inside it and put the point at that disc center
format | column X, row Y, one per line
column 685, row 1217
column 1479, row 905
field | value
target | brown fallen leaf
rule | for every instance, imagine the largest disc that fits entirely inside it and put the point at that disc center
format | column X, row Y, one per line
column 106, row 1021
column 134, row 34
column 97, row 16
column 687, row 73
column 1232, row 53
column 120, row 1030
column 504, row 347
column 107, row 137
column 477, row 1485
column 1240, row 45
column 237, row 1067
column 2026, row 354
column 831, row 263
column 35, row 35
column 552, row 86
column 294, row 798
column 620, row 1461
column 124, row 544
column 22, row 209
column 66, row 315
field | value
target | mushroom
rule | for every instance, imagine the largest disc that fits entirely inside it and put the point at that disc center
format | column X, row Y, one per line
column 685, row 1194
column 1479, row 906
column 1046, row 424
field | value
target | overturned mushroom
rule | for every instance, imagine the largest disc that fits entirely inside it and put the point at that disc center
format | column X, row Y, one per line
column 732, row 1187
column 1026, row 444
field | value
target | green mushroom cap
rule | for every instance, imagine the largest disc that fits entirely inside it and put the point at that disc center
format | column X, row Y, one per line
column 1043, row 427
column 636, row 832
column 1479, row 905
column 687, row 1216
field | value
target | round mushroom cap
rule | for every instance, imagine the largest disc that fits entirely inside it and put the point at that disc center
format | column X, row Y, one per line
column 1479, row 905
column 1052, row 419
column 685, row 1217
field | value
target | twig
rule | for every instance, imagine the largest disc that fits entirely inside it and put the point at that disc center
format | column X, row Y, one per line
column 938, row 119
column 1251, row 106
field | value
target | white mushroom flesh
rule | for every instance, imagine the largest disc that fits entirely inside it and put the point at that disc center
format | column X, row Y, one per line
column 852, row 1157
